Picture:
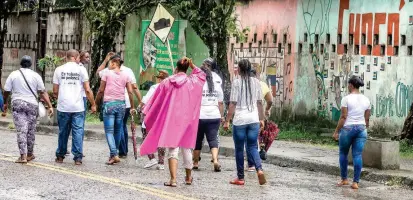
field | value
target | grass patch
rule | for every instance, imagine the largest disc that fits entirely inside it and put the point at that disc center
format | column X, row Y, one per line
column 306, row 137
column 92, row 118
column 227, row 133
column 11, row 126
column 406, row 149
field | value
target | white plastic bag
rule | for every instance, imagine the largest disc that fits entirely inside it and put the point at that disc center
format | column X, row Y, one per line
column 42, row 110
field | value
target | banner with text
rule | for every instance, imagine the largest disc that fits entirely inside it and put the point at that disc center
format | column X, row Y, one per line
column 154, row 52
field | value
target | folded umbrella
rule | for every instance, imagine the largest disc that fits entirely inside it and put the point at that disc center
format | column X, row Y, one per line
column 133, row 129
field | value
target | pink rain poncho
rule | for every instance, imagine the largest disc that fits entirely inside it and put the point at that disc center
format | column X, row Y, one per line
column 172, row 114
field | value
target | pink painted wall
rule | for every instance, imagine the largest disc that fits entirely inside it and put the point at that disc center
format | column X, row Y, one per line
column 270, row 43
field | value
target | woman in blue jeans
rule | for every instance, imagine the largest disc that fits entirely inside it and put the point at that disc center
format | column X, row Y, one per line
column 351, row 130
column 246, row 106
column 112, row 88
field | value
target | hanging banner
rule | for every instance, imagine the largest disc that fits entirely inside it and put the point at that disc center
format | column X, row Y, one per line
column 154, row 52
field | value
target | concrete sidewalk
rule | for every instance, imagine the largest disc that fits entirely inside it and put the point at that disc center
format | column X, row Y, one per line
column 281, row 153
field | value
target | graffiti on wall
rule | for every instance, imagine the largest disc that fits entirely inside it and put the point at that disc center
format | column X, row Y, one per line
column 365, row 34
column 269, row 63
column 361, row 51
column 317, row 25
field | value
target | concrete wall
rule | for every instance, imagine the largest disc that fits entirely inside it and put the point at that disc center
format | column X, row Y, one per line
column 332, row 40
column 66, row 30
column 269, row 45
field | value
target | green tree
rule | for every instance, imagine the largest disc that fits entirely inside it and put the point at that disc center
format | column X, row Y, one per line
column 6, row 9
column 214, row 21
column 107, row 19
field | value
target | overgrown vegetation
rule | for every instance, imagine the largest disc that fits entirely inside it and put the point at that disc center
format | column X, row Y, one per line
column 406, row 149
column 49, row 61
column 306, row 137
column 92, row 118
column 107, row 20
column 214, row 22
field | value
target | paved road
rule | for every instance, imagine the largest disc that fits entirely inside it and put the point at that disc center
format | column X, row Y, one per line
column 44, row 179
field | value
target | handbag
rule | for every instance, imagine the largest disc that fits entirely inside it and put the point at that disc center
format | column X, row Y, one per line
column 41, row 109
column 263, row 154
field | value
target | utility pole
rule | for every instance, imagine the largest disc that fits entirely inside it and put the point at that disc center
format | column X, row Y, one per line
column 41, row 32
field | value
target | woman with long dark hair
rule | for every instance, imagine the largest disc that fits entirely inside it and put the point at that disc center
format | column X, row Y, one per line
column 246, row 103
column 212, row 109
column 351, row 130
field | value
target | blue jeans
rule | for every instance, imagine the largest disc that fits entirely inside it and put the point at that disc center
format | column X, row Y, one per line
column 249, row 159
column 249, row 133
column 123, row 147
column 113, row 123
column 70, row 122
column 354, row 136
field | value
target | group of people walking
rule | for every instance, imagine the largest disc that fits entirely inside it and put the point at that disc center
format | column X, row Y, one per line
column 178, row 113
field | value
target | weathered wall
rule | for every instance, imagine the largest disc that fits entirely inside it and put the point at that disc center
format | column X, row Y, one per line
column 66, row 30
column 270, row 44
column 20, row 40
column 368, row 38
column 330, row 41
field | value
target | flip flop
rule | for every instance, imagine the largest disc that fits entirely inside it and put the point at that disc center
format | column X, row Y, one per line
column 343, row 183
column 189, row 182
column 170, row 184
column 21, row 161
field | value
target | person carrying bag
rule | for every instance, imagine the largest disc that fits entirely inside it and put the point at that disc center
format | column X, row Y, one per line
column 25, row 105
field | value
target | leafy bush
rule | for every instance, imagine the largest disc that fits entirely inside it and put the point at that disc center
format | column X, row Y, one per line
column 49, row 62
column 406, row 148
column 223, row 132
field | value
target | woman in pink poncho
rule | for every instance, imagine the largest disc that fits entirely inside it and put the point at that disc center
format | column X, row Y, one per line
column 172, row 117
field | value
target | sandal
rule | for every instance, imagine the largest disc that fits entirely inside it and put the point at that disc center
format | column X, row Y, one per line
column 21, row 160
column 217, row 167
column 189, row 181
column 30, row 158
column 195, row 167
column 355, row 186
column 342, row 183
column 237, row 182
column 170, row 184
column 59, row 160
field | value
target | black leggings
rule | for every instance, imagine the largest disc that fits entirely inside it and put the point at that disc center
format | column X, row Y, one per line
column 210, row 128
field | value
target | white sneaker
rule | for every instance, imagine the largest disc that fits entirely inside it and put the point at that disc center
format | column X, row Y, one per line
column 151, row 163
column 160, row 167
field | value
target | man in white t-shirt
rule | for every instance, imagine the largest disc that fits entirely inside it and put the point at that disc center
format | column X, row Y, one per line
column 123, row 147
column 84, row 60
column 68, row 81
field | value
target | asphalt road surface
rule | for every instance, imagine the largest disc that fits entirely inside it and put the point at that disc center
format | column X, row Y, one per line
column 45, row 179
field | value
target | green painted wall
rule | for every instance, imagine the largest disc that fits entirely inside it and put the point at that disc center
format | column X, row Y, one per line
column 194, row 46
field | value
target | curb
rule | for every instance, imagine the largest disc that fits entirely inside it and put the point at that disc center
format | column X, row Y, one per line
column 282, row 161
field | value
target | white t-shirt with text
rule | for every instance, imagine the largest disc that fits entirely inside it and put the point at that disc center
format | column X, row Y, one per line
column 70, row 78
column 209, row 102
column 356, row 105
column 17, row 86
